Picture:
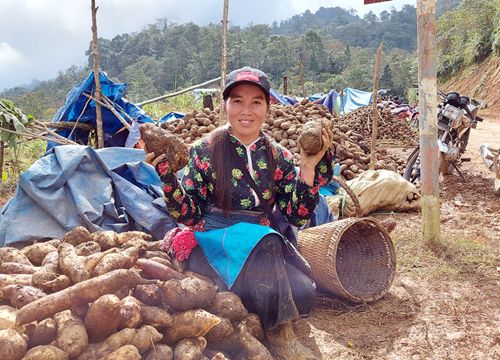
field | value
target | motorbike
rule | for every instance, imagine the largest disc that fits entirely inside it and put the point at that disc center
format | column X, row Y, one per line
column 402, row 111
column 491, row 157
column 457, row 115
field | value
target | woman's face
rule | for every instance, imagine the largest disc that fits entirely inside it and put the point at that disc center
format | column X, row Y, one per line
column 246, row 109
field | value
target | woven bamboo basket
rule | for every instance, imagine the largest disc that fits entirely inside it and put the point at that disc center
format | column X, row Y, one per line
column 352, row 258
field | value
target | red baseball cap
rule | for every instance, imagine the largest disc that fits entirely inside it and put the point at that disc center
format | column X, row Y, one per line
column 246, row 75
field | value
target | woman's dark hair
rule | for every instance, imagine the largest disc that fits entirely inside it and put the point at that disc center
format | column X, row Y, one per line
column 220, row 147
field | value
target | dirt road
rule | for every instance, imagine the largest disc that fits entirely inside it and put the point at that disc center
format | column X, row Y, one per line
column 444, row 301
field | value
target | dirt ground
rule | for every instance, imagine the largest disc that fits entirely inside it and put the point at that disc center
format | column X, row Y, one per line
column 444, row 302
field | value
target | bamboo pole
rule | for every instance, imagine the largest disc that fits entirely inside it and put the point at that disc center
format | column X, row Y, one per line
column 376, row 78
column 427, row 89
column 223, row 62
column 163, row 97
column 95, row 55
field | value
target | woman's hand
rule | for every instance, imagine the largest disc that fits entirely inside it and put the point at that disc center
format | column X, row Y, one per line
column 154, row 160
column 308, row 162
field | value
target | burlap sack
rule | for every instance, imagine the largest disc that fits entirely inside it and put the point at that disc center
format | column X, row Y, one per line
column 377, row 190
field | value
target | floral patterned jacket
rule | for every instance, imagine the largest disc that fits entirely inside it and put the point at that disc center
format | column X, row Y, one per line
column 186, row 201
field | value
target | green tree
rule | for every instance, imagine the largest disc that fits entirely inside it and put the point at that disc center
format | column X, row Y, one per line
column 386, row 78
column 464, row 39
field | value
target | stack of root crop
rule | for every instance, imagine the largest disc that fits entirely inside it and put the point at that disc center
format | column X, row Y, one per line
column 284, row 125
column 390, row 127
column 105, row 295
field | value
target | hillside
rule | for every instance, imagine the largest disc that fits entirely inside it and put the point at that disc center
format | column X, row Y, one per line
column 479, row 82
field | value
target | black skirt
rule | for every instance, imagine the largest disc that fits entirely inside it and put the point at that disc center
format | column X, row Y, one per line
column 268, row 285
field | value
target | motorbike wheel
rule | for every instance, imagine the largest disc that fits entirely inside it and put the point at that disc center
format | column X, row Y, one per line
column 412, row 170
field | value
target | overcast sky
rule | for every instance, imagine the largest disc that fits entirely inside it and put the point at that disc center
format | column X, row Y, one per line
column 38, row 38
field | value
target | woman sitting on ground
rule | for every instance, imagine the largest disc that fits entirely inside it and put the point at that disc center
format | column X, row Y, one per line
column 234, row 177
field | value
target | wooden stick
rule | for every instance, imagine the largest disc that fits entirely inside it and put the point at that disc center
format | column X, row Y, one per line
column 79, row 117
column 41, row 126
column 343, row 184
column 2, row 155
column 376, row 77
column 62, row 139
column 110, row 108
column 95, row 55
column 178, row 92
column 37, row 136
column 66, row 125
column 223, row 62
column 112, row 104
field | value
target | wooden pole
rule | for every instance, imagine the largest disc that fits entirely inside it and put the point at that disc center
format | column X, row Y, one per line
column 223, row 62
column 97, row 95
column 2, row 154
column 163, row 97
column 302, row 78
column 285, row 85
column 208, row 102
column 66, row 125
column 427, row 89
column 376, row 77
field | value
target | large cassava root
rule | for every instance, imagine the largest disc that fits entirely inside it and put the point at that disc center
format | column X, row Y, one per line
column 161, row 142
column 81, row 293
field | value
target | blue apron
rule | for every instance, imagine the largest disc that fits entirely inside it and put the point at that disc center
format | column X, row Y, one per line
column 228, row 241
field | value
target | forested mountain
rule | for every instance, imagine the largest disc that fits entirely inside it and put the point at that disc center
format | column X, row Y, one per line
column 397, row 29
column 333, row 48
column 330, row 49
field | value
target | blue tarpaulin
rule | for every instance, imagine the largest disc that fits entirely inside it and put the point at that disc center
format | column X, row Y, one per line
column 327, row 100
column 315, row 97
column 278, row 98
column 75, row 109
column 171, row 116
column 106, row 189
column 291, row 100
column 352, row 99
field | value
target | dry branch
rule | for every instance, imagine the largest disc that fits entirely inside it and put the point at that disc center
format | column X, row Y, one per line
column 39, row 136
column 110, row 108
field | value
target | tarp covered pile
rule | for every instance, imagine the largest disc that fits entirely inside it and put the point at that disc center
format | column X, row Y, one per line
column 79, row 108
column 106, row 189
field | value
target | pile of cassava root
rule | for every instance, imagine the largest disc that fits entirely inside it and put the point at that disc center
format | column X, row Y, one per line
column 112, row 296
column 390, row 127
column 284, row 125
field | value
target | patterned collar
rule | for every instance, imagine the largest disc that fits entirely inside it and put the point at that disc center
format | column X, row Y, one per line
column 256, row 144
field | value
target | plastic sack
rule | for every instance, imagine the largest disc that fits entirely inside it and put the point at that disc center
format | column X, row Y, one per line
column 377, row 190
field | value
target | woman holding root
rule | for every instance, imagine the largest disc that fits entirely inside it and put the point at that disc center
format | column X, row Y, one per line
column 234, row 178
